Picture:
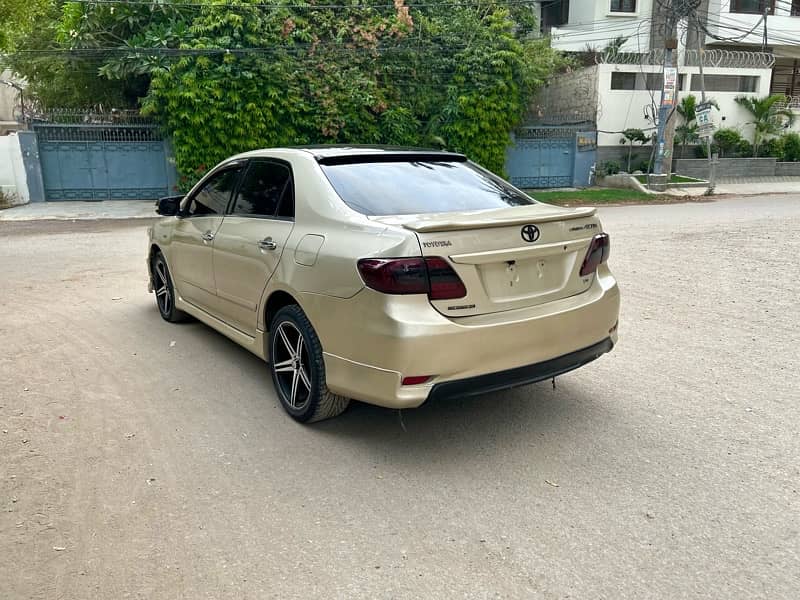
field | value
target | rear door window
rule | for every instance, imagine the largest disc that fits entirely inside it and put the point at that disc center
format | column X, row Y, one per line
column 264, row 190
column 407, row 187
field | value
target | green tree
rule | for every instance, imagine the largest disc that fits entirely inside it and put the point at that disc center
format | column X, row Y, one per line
column 686, row 132
column 53, row 77
column 790, row 147
column 631, row 136
column 231, row 75
column 727, row 140
column 769, row 115
column 18, row 18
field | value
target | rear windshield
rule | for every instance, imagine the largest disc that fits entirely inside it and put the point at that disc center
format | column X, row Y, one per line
column 417, row 187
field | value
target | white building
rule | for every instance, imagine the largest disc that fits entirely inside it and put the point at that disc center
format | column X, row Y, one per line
column 623, row 89
column 749, row 21
column 582, row 24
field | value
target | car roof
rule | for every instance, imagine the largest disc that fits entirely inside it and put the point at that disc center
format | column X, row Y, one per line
column 353, row 152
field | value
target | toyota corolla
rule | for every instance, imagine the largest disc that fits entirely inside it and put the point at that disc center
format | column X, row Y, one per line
column 388, row 276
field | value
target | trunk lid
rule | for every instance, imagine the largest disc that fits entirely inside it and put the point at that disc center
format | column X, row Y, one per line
column 508, row 258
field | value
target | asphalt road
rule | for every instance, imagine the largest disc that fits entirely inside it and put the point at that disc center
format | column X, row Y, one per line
column 147, row 460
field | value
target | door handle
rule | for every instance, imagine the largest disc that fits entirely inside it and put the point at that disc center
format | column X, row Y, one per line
column 208, row 236
column 267, row 244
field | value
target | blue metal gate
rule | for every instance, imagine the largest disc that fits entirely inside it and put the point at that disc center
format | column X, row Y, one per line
column 104, row 159
column 542, row 157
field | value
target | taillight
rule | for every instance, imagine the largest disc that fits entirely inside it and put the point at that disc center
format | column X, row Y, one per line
column 433, row 276
column 395, row 275
column 445, row 282
column 599, row 251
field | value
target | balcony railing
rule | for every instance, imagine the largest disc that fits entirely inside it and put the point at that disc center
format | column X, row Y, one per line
column 792, row 103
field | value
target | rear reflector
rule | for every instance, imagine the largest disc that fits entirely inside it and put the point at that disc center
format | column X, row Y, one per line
column 433, row 276
column 416, row 379
column 599, row 251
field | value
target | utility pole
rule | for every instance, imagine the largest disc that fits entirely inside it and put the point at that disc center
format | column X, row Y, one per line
column 712, row 163
column 668, row 90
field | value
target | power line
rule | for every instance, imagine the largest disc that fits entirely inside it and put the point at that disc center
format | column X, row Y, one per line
column 615, row 28
column 310, row 7
column 293, row 48
column 747, row 32
column 739, row 39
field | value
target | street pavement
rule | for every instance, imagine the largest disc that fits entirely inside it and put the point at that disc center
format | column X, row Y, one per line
column 142, row 459
column 142, row 209
column 75, row 211
column 745, row 186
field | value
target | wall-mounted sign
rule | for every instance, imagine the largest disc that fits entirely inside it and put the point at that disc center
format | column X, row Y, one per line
column 586, row 143
column 670, row 84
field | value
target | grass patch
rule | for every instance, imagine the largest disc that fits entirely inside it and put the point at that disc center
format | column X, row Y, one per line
column 673, row 179
column 593, row 196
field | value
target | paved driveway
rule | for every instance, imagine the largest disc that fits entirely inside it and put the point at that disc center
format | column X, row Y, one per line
column 148, row 460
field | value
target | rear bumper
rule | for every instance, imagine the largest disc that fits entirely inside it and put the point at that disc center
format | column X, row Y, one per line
column 372, row 341
column 511, row 378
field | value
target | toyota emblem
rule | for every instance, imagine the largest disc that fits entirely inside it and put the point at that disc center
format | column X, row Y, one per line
column 530, row 233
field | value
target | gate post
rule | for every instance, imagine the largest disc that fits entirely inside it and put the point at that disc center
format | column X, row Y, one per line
column 29, row 145
column 172, row 170
column 585, row 157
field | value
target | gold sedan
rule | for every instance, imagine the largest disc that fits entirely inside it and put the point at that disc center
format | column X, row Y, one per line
column 388, row 276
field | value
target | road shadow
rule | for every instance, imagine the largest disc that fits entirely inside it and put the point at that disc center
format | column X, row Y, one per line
column 447, row 431
column 459, row 430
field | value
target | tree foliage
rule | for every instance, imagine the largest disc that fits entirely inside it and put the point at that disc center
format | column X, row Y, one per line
column 790, row 147
column 630, row 137
column 55, row 78
column 727, row 141
column 231, row 75
column 18, row 18
column 768, row 117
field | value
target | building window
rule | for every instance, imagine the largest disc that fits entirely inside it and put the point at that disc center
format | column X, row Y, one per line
column 624, row 6
column 652, row 82
column 727, row 83
column 554, row 14
column 753, row 7
column 796, row 8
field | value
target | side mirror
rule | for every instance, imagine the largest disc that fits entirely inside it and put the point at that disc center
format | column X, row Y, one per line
column 169, row 206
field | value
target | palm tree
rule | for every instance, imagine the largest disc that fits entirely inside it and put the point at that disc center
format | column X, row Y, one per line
column 687, row 107
column 686, row 133
column 768, row 119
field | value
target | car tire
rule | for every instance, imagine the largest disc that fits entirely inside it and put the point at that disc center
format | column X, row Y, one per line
column 164, row 290
column 299, row 377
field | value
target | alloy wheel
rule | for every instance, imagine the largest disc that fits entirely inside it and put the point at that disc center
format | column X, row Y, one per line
column 163, row 288
column 291, row 365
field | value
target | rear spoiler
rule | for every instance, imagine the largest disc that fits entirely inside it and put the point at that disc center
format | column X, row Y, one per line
column 498, row 218
column 396, row 156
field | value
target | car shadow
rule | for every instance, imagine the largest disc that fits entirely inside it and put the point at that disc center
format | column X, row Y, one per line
column 460, row 429
column 446, row 430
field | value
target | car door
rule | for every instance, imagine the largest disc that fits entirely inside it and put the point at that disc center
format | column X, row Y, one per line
column 193, row 238
column 251, row 240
